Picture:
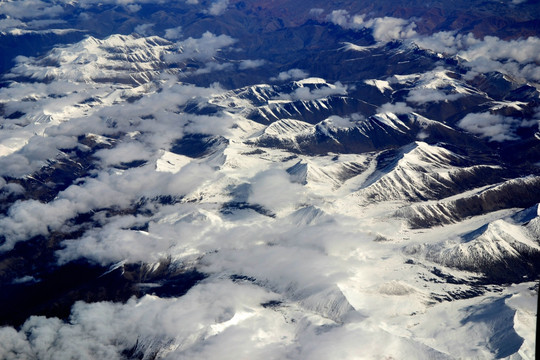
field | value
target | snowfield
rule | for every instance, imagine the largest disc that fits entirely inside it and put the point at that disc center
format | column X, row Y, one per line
column 399, row 251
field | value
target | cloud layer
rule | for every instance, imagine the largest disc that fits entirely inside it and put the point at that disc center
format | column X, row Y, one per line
column 295, row 269
column 494, row 127
column 517, row 58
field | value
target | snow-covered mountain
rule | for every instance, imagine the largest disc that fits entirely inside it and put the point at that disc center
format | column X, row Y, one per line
column 117, row 59
column 221, row 180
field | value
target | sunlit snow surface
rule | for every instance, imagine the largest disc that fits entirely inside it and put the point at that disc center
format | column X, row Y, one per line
column 315, row 264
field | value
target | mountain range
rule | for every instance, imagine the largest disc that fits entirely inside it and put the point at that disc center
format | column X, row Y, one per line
column 269, row 179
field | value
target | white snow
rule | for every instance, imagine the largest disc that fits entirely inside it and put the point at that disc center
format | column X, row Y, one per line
column 353, row 47
column 170, row 162
column 382, row 85
column 312, row 80
column 300, row 265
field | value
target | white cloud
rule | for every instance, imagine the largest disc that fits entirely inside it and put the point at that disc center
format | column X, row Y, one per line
column 125, row 152
column 35, row 154
column 11, row 188
column 342, row 18
column 517, row 58
column 250, row 64
column 203, row 48
column 218, row 7
column 26, row 219
column 384, row 29
column 212, row 67
column 390, row 28
column 492, row 126
column 273, row 190
column 514, row 57
column 10, row 23
column 446, row 42
column 395, row 108
column 133, row 8
column 292, row 74
column 144, row 29
column 423, row 96
column 30, row 9
column 315, row 320
column 111, row 244
column 343, row 122
column 208, row 125
column 104, row 330
column 316, row 11
column 491, row 47
column 173, row 33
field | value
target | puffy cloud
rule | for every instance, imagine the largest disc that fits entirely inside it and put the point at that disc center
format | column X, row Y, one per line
column 250, row 64
column 211, row 67
column 208, row 125
column 423, row 96
column 10, row 23
column 203, row 48
column 34, row 155
column 143, row 29
column 218, row 7
column 273, row 190
column 344, row 122
column 30, row 218
column 219, row 316
column 514, row 57
column 495, row 127
column 7, row 189
column 342, row 18
column 384, row 29
column 390, row 28
column 133, row 7
column 292, row 74
column 29, row 9
column 26, row 219
column 105, row 330
column 316, row 11
column 112, row 244
column 446, row 42
column 395, row 108
column 173, row 33
column 124, row 153
column 491, row 47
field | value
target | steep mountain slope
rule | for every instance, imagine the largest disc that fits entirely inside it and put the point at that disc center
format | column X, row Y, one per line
column 424, row 172
column 116, row 59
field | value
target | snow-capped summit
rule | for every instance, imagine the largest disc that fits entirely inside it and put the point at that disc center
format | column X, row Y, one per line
column 499, row 244
column 129, row 59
